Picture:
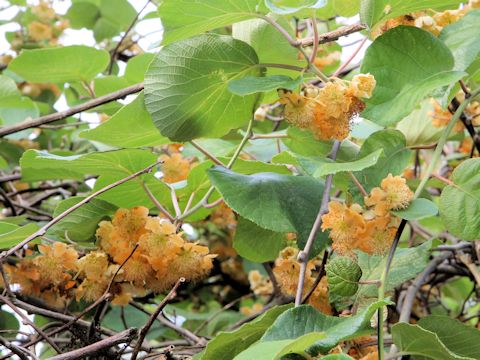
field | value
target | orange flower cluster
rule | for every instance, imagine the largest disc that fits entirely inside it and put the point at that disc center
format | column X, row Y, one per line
column 137, row 254
column 175, row 168
column 328, row 111
column 441, row 118
column 370, row 230
column 48, row 276
column 430, row 21
column 287, row 270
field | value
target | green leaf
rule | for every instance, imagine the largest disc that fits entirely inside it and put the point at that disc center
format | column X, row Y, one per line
column 81, row 224
column 303, row 143
column 130, row 127
column 284, row 7
column 14, row 109
column 461, row 339
column 186, row 87
column 418, row 209
column 305, row 319
column 137, row 67
column 374, row 11
column 408, row 64
column 8, row 87
column 418, row 127
column 132, row 193
column 14, row 236
column 272, row 350
column 282, row 203
column 8, row 321
column 268, row 43
column 42, row 165
column 460, row 39
column 182, row 19
column 257, row 244
column 228, row 344
column 460, row 202
column 251, row 84
column 318, row 167
column 393, row 161
column 407, row 263
column 343, row 275
column 117, row 13
column 414, row 340
column 62, row 64
column 83, row 15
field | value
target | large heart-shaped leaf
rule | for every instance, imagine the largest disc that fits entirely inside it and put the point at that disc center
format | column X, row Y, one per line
column 280, row 349
column 228, row 344
column 257, row 244
column 62, row 64
column 418, row 209
column 282, row 203
column 408, row 64
column 415, row 340
column 186, row 87
column 462, row 339
column 406, row 264
column 394, row 159
column 81, row 224
column 131, row 126
column 15, row 234
column 284, row 7
column 320, row 167
column 42, row 165
column 460, row 202
column 305, row 319
column 461, row 38
column 182, row 19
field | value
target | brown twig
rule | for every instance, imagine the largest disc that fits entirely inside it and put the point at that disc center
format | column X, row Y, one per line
column 96, row 348
column 349, row 60
column 115, row 50
column 206, row 153
column 185, row 333
column 27, row 124
column 26, row 320
column 159, row 206
column 21, row 352
column 334, row 35
column 144, row 330
column 358, row 184
column 417, row 283
column 55, row 220
column 321, row 274
column 305, row 253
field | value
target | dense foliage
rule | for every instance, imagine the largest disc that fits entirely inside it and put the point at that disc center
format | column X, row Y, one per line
column 268, row 179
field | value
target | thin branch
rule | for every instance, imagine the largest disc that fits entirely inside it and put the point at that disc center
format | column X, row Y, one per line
column 315, row 38
column 55, row 220
column 115, row 50
column 96, row 348
column 334, row 35
column 27, row 124
column 358, row 184
column 417, row 284
column 304, row 255
column 26, row 320
column 350, row 58
column 158, row 310
column 21, row 352
column 321, row 274
column 185, row 333
column 206, row 153
column 159, row 206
